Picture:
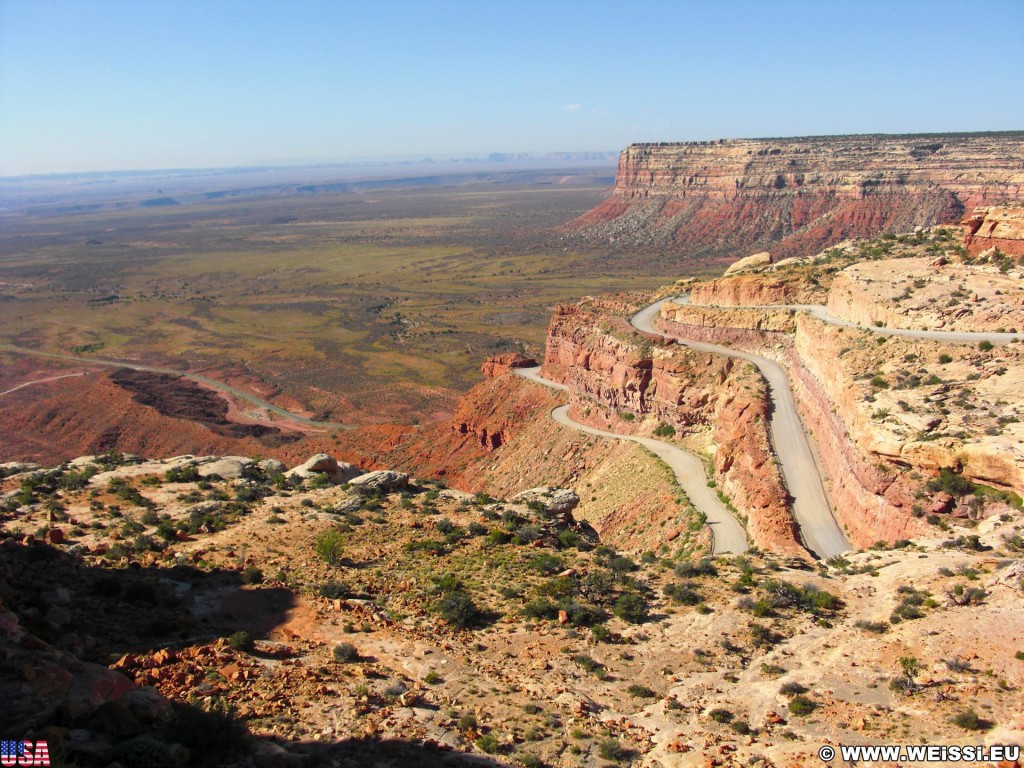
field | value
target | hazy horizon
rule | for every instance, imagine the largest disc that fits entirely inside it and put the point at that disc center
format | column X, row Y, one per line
column 120, row 86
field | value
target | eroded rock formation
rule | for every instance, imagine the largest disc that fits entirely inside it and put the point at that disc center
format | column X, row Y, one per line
column 997, row 227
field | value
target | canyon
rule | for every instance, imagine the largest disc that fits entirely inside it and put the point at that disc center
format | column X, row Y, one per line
column 796, row 196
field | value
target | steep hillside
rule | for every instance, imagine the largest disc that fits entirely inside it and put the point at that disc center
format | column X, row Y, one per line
column 798, row 195
column 223, row 612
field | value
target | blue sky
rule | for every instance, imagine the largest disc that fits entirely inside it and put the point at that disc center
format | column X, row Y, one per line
column 111, row 84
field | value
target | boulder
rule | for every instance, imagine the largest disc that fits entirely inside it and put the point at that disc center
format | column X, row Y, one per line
column 941, row 504
column 271, row 465
column 227, row 467
column 269, row 754
column 55, row 536
column 337, row 472
column 94, row 686
column 753, row 263
column 348, row 504
column 554, row 501
column 380, row 481
column 146, row 704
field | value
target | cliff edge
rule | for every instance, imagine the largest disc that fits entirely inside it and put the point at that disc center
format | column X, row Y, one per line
column 798, row 196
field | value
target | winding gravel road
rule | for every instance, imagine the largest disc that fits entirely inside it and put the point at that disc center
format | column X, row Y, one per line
column 194, row 376
column 40, row 381
column 727, row 534
column 821, row 312
column 819, row 530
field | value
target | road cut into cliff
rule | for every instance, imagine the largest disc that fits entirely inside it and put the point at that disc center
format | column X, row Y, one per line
column 728, row 535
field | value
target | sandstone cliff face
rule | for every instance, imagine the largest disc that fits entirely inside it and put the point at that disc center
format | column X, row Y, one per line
column 743, row 290
column 869, row 498
column 621, row 382
column 998, row 227
column 762, row 321
column 797, row 196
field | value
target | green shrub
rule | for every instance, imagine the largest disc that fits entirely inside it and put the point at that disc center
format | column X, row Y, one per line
column 969, row 720
column 951, row 482
column 241, row 641
column 580, row 615
column 333, row 590
column 445, row 583
column 764, row 637
column 568, row 539
column 684, row 593
column 329, row 546
column 610, row 749
column 720, row 715
column 801, row 706
column 488, row 743
column 664, row 430
column 985, row 345
column 641, row 692
column 185, row 474
column 631, row 608
column 527, row 534
column 345, row 653
column 691, row 570
column 252, row 575
column 458, row 609
column 742, row 727
column 620, row 565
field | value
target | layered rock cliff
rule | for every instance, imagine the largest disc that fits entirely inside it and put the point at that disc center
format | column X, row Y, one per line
column 798, row 195
column 999, row 227
column 868, row 503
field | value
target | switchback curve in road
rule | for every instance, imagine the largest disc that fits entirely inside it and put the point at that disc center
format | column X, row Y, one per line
column 819, row 530
column 727, row 534
column 194, row 376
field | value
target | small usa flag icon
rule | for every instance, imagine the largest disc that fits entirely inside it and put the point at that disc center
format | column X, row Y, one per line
column 12, row 748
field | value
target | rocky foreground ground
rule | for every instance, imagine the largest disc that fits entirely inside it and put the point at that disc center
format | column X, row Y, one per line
column 223, row 610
